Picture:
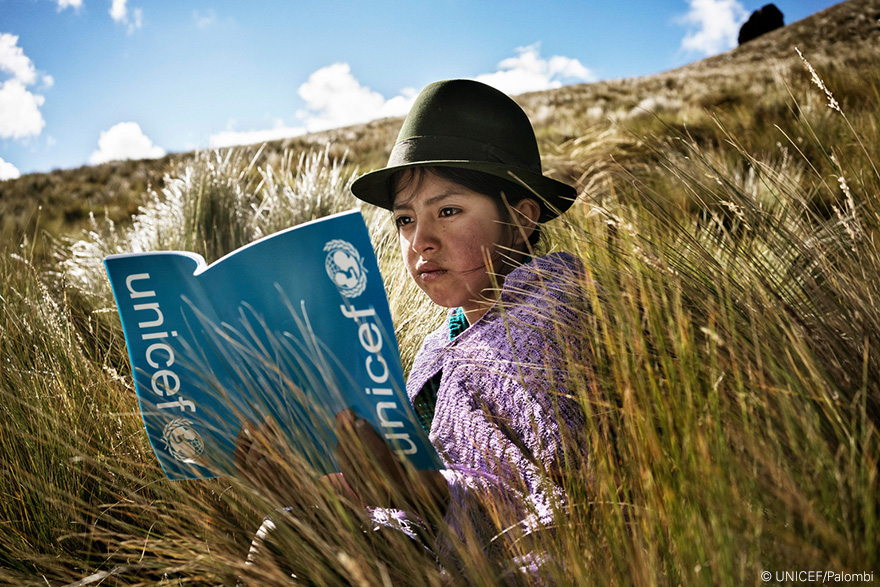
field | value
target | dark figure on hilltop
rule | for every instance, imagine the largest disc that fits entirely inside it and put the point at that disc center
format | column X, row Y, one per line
column 761, row 21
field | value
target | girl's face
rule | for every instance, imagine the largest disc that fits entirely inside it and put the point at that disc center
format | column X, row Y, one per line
column 451, row 239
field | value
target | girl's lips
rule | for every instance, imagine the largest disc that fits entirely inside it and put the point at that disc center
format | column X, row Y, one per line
column 429, row 271
column 428, row 276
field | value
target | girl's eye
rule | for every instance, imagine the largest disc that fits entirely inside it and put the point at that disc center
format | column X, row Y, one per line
column 444, row 212
column 402, row 220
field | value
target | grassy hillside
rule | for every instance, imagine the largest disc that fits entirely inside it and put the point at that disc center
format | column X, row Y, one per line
column 728, row 220
column 838, row 40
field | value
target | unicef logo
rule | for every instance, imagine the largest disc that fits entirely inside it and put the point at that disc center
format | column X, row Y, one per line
column 345, row 268
column 182, row 441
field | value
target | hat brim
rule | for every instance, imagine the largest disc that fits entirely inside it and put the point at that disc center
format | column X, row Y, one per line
column 554, row 197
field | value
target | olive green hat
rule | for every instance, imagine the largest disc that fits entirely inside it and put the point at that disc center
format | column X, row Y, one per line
column 468, row 125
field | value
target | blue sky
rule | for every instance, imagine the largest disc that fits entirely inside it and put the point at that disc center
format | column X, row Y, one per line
column 86, row 81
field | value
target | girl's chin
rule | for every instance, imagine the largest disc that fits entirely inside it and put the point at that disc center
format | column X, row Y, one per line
column 453, row 302
column 443, row 300
column 442, row 296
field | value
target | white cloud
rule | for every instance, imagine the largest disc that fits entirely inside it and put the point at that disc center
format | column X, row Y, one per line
column 14, row 62
column 529, row 72
column 335, row 98
column 230, row 137
column 125, row 140
column 204, row 19
column 75, row 4
column 20, row 115
column 119, row 13
column 717, row 25
column 137, row 20
column 8, row 170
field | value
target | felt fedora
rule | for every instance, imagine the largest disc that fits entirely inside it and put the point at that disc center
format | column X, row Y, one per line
column 468, row 125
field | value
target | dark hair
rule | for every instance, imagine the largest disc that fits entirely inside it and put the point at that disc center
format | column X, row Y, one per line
column 482, row 183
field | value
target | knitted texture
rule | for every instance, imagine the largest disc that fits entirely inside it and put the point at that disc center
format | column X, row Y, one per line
column 502, row 409
column 502, row 412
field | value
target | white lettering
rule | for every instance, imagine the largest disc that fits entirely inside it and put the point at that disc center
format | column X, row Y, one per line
column 379, row 391
column 355, row 314
column 400, row 438
column 164, row 382
column 151, row 306
column 138, row 294
column 370, row 337
column 380, row 378
column 381, row 407
column 182, row 403
column 155, row 335
column 159, row 346
column 165, row 375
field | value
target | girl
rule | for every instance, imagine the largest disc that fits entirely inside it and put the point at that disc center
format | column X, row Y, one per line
column 468, row 196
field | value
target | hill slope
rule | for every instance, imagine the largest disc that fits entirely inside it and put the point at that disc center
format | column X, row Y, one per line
column 843, row 36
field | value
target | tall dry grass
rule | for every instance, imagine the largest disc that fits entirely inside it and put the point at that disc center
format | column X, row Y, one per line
column 732, row 399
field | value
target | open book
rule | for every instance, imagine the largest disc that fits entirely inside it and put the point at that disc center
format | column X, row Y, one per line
column 294, row 326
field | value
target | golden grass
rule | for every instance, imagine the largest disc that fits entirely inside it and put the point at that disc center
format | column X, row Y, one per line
column 732, row 401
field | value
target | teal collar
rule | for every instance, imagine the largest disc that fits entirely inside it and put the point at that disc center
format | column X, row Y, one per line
column 457, row 323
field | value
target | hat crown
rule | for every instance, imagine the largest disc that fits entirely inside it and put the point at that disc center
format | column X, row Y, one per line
column 473, row 113
column 466, row 124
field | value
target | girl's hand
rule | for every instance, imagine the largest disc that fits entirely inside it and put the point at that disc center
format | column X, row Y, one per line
column 377, row 477
column 257, row 460
column 370, row 473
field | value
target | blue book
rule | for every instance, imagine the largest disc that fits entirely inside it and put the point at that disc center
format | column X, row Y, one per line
column 294, row 326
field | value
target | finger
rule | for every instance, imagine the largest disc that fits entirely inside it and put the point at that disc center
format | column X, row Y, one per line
column 379, row 450
column 345, row 455
column 346, row 415
column 344, row 425
column 369, row 437
column 352, row 473
column 348, row 443
column 270, row 431
column 382, row 476
column 251, row 459
column 359, row 469
column 356, row 441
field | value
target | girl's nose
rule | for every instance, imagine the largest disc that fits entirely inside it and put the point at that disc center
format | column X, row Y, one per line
column 424, row 237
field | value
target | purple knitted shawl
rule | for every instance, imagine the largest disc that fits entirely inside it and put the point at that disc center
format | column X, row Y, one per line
column 502, row 407
column 502, row 411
